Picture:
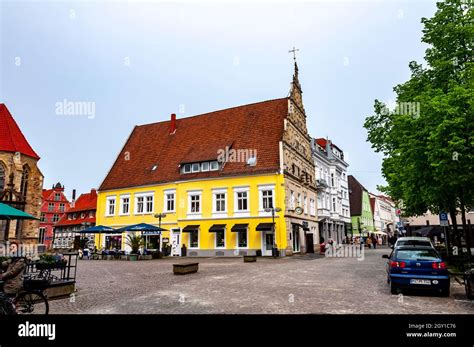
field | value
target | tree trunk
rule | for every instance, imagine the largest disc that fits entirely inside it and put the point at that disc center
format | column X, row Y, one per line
column 455, row 239
column 467, row 233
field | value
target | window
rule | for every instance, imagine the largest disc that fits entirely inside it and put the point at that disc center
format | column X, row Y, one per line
column 295, row 238
column 219, row 202
column 195, row 203
column 214, row 165
column 57, row 196
column 292, row 200
column 187, row 168
column 139, row 204
column 149, row 204
column 299, row 200
column 170, row 201
column 55, row 218
column 334, row 204
column 125, row 205
column 312, row 207
column 194, row 239
column 2, row 177
column 242, row 239
column 305, row 205
column 50, row 206
column 205, row 166
column 242, row 201
column 267, row 199
column 110, row 209
column 62, row 207
column 24, row 181
column 41, row 235
column 195, row 167
column 43, row 217
column 332, row 180
column 220, row 238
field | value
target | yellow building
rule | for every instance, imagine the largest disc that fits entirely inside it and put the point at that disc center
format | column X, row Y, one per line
column 221, row 178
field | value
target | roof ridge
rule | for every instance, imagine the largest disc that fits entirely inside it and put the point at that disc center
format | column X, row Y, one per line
column 215, row 111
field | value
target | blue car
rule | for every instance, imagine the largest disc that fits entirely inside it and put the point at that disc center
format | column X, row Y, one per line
column 417, row 268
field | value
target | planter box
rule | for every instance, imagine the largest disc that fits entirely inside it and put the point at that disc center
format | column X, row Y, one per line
column 124, row 257
column 60, row 290
column 96, row 256
column 133, row 257
column 50, row 266
column 185, row 268
column 250, row 258
column 109, row 257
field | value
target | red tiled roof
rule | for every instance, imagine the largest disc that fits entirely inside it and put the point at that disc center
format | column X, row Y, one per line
column 64, row 221
column 11, row 137
column 85, row 202
column 46, row 193
column 256, row 126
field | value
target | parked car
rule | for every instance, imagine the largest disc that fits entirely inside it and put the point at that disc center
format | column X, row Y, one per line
column 417, row 268
column 469, row 283
column 413, row 241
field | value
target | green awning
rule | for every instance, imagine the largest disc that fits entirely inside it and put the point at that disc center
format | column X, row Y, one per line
column 8, row 212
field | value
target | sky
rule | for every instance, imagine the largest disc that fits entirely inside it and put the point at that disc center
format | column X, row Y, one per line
column 137, row 62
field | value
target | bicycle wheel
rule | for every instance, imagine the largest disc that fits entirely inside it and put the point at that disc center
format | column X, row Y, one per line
column 32, row 303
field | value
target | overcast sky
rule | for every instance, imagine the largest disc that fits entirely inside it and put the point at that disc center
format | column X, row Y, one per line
column 140, row 62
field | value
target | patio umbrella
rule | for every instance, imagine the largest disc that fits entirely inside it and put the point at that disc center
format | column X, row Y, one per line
column 7, row 212
column 143, row 228
column 98, row 229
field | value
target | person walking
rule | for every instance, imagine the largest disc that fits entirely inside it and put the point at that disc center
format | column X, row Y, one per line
column 369, row 242
column 374, row 241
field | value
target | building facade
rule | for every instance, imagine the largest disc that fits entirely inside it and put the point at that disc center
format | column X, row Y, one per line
column 333, row 194
column 223, row 180
column 54, row 205
column 80, row 215
column 361, row 210
column 21, row 181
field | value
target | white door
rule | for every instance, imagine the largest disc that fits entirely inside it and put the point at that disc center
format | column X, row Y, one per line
column 267, row 243
column 175, row 243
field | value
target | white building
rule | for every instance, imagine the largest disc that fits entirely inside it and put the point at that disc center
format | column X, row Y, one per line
column 385, row 217
column 333, row 195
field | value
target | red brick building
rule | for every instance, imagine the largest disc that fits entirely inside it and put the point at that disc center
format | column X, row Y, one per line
column 53, row 207
column 81, row 215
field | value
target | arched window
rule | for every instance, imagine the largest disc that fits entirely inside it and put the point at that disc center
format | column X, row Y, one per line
column 24, row 181
column 3, row 174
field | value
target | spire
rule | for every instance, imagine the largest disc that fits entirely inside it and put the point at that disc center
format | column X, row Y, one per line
column 296, row 94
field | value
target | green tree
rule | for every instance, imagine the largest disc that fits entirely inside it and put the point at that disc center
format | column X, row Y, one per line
column 428, row 140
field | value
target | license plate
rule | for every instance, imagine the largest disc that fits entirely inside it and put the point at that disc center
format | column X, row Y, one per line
column 416, row 281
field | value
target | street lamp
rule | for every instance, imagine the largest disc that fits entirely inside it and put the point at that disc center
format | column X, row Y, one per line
column 273, row 210
column 159, row 216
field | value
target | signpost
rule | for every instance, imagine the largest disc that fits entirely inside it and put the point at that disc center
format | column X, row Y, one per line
column 444, row 222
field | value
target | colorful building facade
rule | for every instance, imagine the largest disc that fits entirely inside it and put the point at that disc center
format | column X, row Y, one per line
column 223, row 179
column 54, row 206
column 361, row 210
column 21, row 181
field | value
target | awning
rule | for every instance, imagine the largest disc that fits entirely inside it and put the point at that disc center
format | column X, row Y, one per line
column 304, row 227
column 265, row 226
column 9, row 213
column 190, row 228
column 217, row 227
column 239, row 227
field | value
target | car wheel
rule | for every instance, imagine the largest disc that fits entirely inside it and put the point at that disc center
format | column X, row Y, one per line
column 393, row 289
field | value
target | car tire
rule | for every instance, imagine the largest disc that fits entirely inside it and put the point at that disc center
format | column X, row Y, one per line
column 393, row 289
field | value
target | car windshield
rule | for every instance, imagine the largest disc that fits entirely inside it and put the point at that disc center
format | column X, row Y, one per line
column 413, row 243
column 417, row 254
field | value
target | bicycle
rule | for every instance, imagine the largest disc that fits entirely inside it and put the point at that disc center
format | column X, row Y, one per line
column 30, row 300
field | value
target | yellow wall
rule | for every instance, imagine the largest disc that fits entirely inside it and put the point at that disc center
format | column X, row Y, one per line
column 180, row 218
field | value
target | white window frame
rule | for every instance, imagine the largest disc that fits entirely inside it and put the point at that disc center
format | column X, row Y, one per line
column 206, row 163
column 261, row 189
column 165, row 200
column 199, row 240
column 184, row 168
column 237, row 240
column 195, row 165
column 122, row 197
column 190, row 194
column 225, row 240
column 237, row 212
column 216, row 213
column 144, row 195
column 109, row 199
column 216, row 163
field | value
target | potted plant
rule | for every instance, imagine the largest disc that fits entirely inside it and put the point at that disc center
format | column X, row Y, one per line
column 134, row 242
column 50, row 261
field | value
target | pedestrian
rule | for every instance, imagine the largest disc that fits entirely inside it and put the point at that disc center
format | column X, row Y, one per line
column 13, row 276
column 374, row 241
column 369, row 242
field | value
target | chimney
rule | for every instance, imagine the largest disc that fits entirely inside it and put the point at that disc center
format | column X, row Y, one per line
column 73, row 195
column 173, row 124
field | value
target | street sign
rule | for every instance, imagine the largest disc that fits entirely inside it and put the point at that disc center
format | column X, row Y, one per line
column 443, row 219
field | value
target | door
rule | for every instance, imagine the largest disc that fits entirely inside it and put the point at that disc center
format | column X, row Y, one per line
column 267, row 244
column 309, row 243
column 175, row 243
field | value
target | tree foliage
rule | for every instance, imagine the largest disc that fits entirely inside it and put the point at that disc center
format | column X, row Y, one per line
column 428, row 151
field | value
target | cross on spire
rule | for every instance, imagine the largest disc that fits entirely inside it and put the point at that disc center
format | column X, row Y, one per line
column 294, row 50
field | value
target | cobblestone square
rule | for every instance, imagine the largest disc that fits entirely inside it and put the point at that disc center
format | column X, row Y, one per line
column 294, row 285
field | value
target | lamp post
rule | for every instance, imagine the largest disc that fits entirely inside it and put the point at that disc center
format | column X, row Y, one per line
column 273, row 210
column 160, row 216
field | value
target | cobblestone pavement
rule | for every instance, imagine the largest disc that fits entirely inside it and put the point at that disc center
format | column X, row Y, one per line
column 299, row 284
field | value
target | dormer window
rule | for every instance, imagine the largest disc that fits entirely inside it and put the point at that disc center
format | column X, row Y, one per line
column 214, row 165
column 204, row 166
column 195, row 167
column 187, row 168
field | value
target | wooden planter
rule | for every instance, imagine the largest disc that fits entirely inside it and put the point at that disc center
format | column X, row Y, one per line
column 250, row 258
column 185, row 268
